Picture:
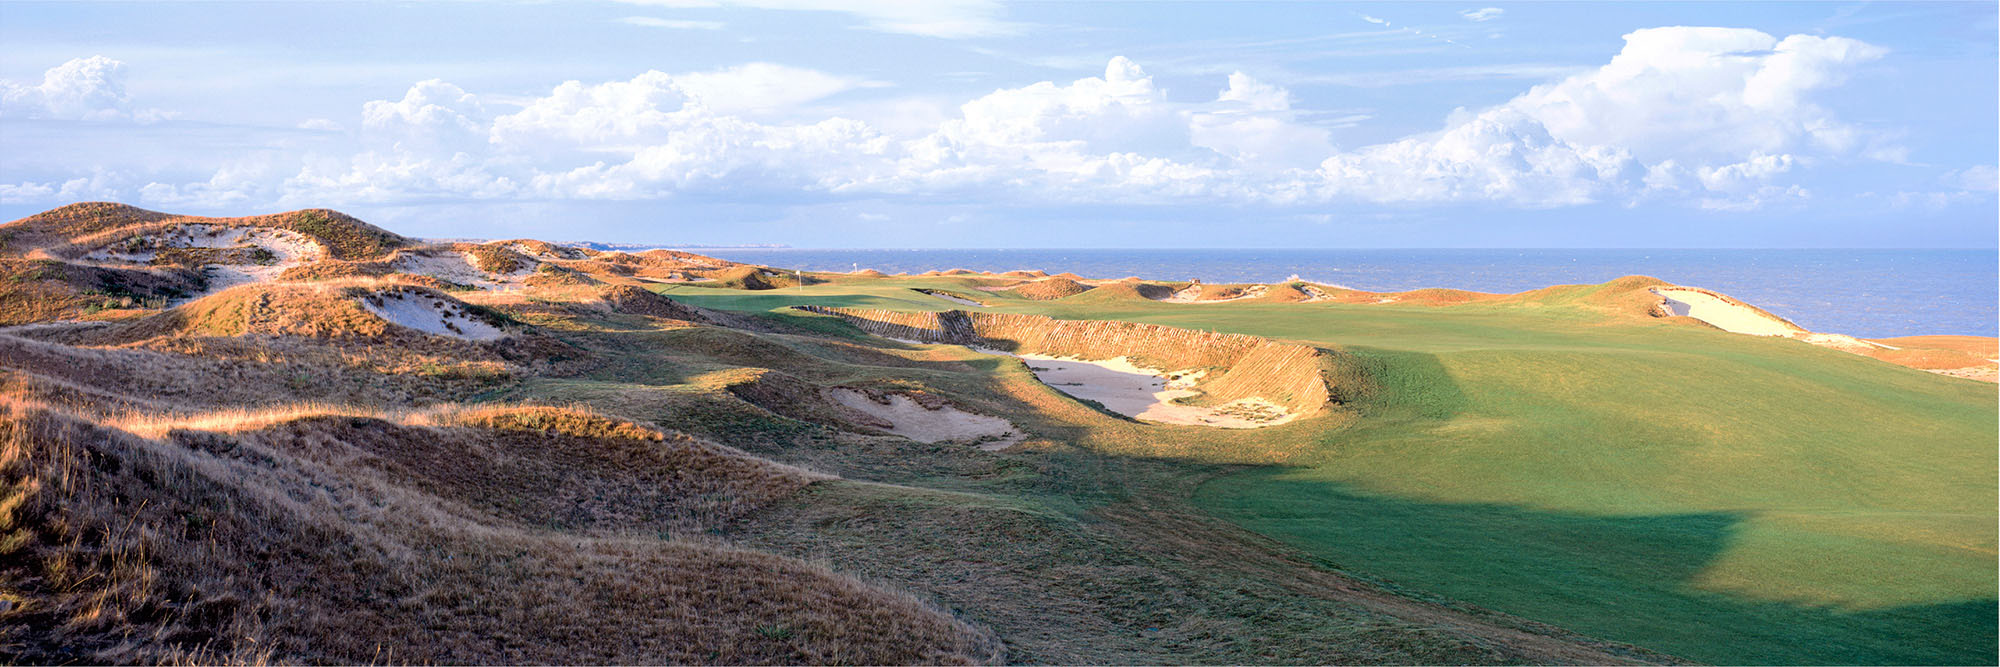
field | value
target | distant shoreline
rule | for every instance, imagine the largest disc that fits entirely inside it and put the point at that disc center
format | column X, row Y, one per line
column 1868, row 292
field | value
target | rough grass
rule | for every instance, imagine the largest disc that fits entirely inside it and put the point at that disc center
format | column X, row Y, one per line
column 273, row 545
column 40, row 290
column 1050, row 289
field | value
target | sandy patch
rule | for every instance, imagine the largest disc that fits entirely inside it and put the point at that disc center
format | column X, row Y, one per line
column 1980, row 373
column 457, row 267
column 1148, row 395
column 944, row 423
column 1721, row 313
column 283, row 249
column 1192, row 294
column 1843, row 342
column 430, row 315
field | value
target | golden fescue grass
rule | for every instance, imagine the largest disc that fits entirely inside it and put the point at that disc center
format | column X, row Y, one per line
column 494, row 257
column 296, row 539
column 1050, row 289
column 1982, row 346
column 40, row 290
column 78, row 225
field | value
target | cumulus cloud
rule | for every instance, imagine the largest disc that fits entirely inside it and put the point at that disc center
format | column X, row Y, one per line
column 1711, row 117
column 1482, row 15
column 1725, row 92
column 931, row 18
column 1254, row 123
column 90, row 88
column 432, row 116
column 1727, row 106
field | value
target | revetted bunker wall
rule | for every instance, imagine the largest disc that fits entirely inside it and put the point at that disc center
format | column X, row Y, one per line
column 1239, row 366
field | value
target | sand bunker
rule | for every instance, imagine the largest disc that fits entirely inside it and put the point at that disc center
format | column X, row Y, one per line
column 1192, row 294
column 430, row 315
column 1147, row 395
column 1723, row 313
column 942, row 423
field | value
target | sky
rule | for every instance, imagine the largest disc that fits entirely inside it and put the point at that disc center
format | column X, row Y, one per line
column 981, row 123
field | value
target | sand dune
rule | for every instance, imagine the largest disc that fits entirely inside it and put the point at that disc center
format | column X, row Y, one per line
column 429, row 315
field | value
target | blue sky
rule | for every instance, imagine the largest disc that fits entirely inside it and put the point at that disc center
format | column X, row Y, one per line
column 973, row 123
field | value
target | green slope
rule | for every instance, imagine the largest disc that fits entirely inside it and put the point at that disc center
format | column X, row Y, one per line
column 1725, row 498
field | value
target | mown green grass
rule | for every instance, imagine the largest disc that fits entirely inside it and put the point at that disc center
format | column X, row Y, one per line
column 1724, row 498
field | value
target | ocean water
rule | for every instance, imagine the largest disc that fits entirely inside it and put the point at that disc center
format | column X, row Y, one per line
column 1867, row 293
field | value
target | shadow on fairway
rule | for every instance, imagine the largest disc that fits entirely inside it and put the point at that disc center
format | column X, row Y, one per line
column 1618, row 578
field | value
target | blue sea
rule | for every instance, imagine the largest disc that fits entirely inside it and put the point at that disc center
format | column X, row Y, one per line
column 1867, row 293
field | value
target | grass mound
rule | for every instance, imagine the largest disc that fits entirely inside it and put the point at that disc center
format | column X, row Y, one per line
column 313, row 310
column 40, row 290
column 746, row 277
column 496, row 258
column 628, row 299
column 335, row 538
column 557, row 275
column 1050, row 289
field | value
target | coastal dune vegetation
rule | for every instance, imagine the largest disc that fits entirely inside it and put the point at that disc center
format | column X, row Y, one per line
column 302, row 438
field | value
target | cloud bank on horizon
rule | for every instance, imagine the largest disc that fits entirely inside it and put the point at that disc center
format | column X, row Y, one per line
column 1678, row 120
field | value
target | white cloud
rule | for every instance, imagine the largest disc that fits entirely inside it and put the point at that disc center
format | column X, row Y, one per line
column 1500, row 154
column 1253, row 122
column 1729, row 106
column 90, row 88
column 432, row 116
column 671, row 24
column 1763, row 197
column 1976, row 178
column 24, row 193
column 931, row 18
column 1482, row 15
column 320, row 125
column 764, row 87
column 1745, row 175
column 1716, row 118
column 1719, row 92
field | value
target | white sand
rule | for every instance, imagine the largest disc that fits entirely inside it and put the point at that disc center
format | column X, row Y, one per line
column 1192, row 294
column 1842, row 342
column 1148, row 395
column 429, row 315
column 288, row 249
column 1721, row 313
column 912, row 420
column 457, row 267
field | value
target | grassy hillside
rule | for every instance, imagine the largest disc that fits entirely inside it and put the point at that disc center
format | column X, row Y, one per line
column 523, row 452
column 1721, row 497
